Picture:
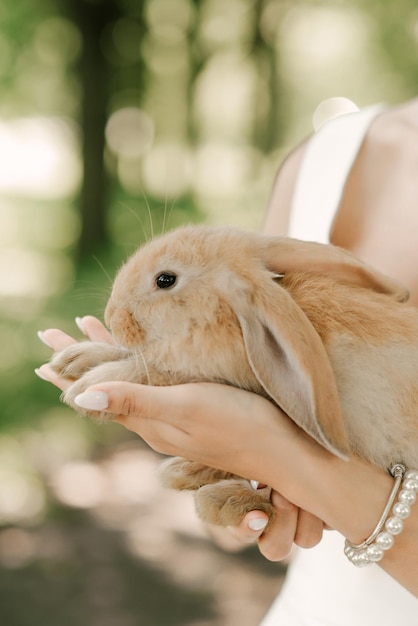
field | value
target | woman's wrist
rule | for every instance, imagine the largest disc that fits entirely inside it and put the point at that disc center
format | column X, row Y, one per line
column 348, row 496
column 352, row 496
column 352, row 499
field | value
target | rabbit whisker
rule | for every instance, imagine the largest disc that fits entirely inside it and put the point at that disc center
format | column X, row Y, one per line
column 149, row 214
column 102, row 267
column 141, row 363
column 170, row 212
column 138, row 219
column 163, row 227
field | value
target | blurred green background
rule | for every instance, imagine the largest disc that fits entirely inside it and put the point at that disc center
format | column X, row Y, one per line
column 119, row 119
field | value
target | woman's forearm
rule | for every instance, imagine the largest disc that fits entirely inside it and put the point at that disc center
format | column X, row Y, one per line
column 350, row 497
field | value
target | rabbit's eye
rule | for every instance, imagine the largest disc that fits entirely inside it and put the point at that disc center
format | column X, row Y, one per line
column 165, row 280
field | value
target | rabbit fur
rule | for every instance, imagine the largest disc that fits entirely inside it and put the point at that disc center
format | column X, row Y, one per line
column 325, row 337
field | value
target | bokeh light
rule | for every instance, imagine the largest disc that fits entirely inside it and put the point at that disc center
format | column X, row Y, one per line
column 129, row 133
column 167, row 170
column 38, row 158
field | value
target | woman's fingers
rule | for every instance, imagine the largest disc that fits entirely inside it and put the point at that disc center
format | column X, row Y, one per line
column 277, row 541
column 233, row 538
column 290, row 526
column 93, row 328
column 130, row 401
column 90, row 326
column 48, row 374
column 56, row 339
column 250, row 529
column 274, row 543
column 309, row 530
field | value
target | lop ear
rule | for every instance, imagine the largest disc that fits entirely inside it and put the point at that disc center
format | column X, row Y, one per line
column 283, row 254
column 289, row 360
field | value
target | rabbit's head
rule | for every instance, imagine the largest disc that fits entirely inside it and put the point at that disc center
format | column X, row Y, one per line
column 213, row 296
column 176, row 284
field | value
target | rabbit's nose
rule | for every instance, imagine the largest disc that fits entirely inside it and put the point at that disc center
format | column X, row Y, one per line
column 125, row 327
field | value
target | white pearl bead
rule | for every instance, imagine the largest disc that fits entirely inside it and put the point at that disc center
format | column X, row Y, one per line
column 385, row 540
column 411, row 484
column 412, row 474
column 349, row 551
column 375, row 553
column 360, row 559
column 401, row 510
column 394, row 525
column 407, row 497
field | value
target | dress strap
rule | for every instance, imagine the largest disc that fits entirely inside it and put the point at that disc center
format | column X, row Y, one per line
column 325, row 167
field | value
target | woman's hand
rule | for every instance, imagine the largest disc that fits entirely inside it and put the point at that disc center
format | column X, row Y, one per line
column 291, row 524
column 183, row 420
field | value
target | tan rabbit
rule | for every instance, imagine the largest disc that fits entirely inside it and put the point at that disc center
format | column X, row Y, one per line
column 307, row 325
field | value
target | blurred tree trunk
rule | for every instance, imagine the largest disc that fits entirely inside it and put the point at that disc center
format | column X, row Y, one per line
column 92, row 18
column 94, row 87
column 268, row 124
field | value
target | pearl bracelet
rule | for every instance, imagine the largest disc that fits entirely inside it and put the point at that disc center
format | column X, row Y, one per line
column 382, row 538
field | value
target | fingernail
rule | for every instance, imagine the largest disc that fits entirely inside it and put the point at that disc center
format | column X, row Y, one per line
column 41, row 336
column 41, row 374
column 79, row 322
column 94, row 400
column 258, row 524
column 254, row 484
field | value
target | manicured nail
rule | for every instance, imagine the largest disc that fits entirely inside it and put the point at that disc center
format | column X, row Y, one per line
column 42, row 338
column 258, row 524
column 41, row 375
column 94, row 400
column 79, row 322
column 254, row 484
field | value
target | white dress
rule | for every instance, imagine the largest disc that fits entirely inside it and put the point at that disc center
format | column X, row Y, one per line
column 322, row 588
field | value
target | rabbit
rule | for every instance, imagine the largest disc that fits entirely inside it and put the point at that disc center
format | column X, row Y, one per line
column 326, row 338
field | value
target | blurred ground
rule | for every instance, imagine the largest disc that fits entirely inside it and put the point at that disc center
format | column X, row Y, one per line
column 93, row 540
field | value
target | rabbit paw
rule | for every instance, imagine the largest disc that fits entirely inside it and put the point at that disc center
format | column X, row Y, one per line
column 225, row 503
column 73, row 362
column 99, row 374
column 180, row 474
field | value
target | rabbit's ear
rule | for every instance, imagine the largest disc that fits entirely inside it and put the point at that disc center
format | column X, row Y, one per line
column 289, row 360
column 283, row 255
